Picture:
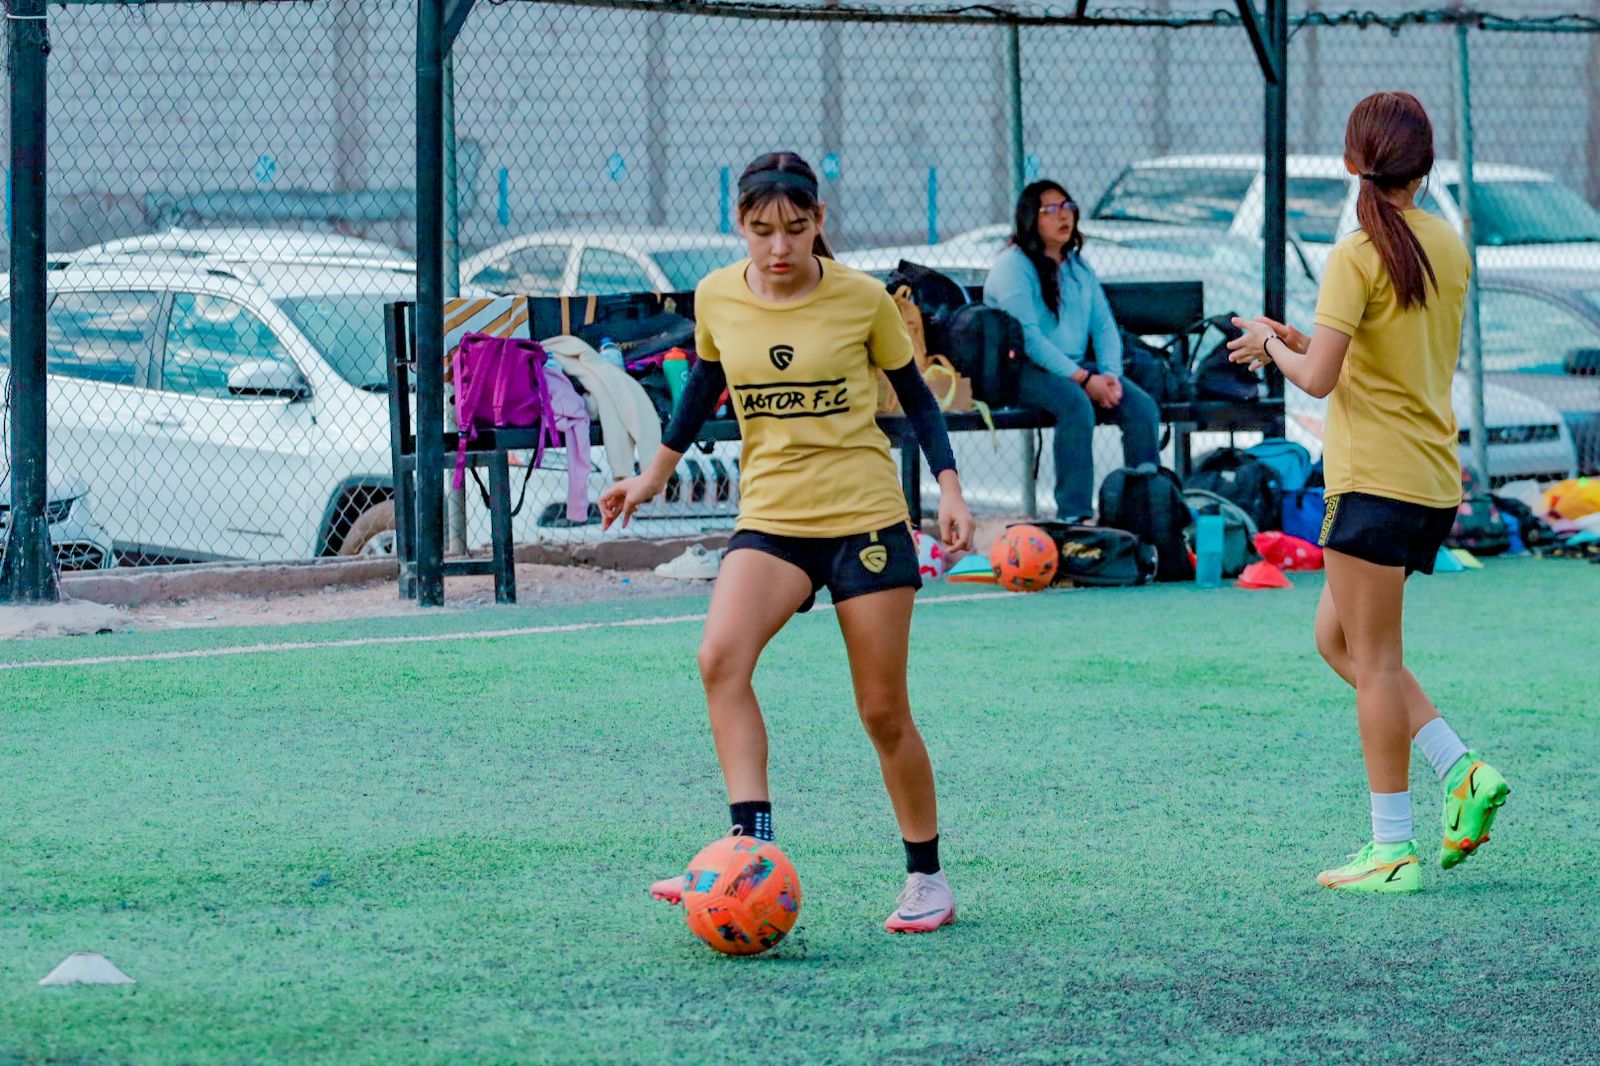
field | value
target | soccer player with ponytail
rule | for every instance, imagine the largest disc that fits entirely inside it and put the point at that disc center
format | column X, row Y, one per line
column 1387, row 337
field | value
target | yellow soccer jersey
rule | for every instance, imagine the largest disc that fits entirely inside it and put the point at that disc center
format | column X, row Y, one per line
column 803, row 380
column 1391, row 424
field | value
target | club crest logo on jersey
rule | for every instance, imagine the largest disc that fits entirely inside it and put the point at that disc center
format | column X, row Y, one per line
column 781, row 355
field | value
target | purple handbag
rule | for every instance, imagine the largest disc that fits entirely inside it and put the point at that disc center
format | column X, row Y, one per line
column 500, row 384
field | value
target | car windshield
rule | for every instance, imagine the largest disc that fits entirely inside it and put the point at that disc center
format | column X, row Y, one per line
column 1188, row 196
column 1527, row 333
column 347, row 329
column 1530, row 212
column 684, row 267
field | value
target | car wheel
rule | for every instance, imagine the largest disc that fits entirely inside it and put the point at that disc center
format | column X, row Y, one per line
column 372, row 533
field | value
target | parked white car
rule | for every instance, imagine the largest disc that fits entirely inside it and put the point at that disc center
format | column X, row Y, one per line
column 239, row 243
column 601, row 261
column 1525, row 217
column 77, row 539
column 224, row 410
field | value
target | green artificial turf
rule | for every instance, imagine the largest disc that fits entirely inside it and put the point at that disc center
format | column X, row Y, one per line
column 437, row 853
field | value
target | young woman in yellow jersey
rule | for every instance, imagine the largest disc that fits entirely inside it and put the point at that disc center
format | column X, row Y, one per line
column 1385, row 346
column 797, row 340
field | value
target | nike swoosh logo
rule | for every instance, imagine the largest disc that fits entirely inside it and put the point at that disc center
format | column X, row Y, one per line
column 919, row 917
column 1457, row 823
column 1472, row 780
column 1394, row 873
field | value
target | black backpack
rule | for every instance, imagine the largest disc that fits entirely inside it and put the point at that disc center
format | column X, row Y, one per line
column 1153, row 370
column 1096, row 557
column 1147, row 501
column 985, row 344
column 936, row 295
column 1253, row 485
column 1534, row 531
column 1218, row 378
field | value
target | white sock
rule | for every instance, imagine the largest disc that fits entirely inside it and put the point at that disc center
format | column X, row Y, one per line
column 1441, row 746
column 1391, row 817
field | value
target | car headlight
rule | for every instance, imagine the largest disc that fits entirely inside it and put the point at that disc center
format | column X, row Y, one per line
column 58, row 511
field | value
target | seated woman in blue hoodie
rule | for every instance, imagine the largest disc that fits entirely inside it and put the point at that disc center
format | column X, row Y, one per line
column 1042, row 281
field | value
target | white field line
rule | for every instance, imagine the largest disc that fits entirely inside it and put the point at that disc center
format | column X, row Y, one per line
column 373, row 642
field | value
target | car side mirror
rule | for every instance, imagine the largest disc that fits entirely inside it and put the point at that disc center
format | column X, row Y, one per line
column 270, row 378
column 1583, row 362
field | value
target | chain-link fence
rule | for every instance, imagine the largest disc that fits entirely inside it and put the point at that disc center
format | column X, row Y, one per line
column 232, row 201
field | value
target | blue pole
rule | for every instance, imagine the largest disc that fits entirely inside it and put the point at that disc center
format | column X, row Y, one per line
column 725, row 202
column 933, row 205
column 503, row 209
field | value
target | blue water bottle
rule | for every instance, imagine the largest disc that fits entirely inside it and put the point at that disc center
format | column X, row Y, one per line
column 611, row 352
column 1208, row 551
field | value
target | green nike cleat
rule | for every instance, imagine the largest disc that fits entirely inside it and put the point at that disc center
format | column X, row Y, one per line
column 1378, row 868
column 1474, row 792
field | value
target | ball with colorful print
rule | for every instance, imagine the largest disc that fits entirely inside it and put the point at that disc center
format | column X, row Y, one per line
column 931, row 559
column 741, row 895
column 1024, row 559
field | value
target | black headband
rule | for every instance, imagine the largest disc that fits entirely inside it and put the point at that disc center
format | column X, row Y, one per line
column 778, row 178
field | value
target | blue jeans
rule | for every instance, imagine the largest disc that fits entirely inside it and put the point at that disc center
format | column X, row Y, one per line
column 1076, row 416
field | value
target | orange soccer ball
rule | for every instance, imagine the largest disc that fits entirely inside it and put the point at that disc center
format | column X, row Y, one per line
column 1024, row 559
column 741, row 895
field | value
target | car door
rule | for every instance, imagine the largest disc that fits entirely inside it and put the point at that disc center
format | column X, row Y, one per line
column 237, row 463
column 98, row 353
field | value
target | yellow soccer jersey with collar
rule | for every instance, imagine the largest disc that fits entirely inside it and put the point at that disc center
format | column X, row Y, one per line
column 1391, row 420
column 802, row 375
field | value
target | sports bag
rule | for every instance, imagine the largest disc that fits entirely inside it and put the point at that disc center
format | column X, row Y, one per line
column 1216, row 377
column 641, row 338
column 500, row 384
column 1250, row 483
column 1479, row 527
column 1291, row 461
column 984, row 344
column 1238, row 530
column 1095, row 557
column 1147, row 501
column 1153, row 370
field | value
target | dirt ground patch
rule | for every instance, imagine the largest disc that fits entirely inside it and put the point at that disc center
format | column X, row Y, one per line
column 537, row 585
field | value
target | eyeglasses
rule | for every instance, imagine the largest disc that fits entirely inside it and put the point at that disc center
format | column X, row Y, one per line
column 1056, row 209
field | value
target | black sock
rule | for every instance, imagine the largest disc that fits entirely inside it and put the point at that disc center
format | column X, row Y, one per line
column 753, row 817
column 922, row 858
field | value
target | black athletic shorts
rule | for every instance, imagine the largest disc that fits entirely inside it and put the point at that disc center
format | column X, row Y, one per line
column 845, row 566
column 1386, row 532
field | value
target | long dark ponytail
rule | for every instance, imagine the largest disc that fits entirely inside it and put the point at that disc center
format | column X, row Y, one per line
column 1025, row 235
column 783, row 176
column 1389, row 141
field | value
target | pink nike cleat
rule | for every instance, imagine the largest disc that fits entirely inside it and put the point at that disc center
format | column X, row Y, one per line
column 668, row 890
column 925, row 904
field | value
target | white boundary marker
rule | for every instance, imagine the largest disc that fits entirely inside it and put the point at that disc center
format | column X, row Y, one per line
column 431, row 638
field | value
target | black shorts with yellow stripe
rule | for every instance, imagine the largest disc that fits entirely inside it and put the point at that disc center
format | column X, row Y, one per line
column 1386, row 532
column 847, row 567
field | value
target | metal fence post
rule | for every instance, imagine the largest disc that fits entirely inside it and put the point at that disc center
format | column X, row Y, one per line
column 1019, row 178
column 1472, row 337
column 456, row 512
column 1275, row 149
column 28, row 572
column 430, row 302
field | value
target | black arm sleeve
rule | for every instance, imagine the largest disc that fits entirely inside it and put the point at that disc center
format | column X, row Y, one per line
column 926, row 419
column 701, row 392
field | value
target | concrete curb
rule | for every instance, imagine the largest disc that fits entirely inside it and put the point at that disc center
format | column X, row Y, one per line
column 136, row 586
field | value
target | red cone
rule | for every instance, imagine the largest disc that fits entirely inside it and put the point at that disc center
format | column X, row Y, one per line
column 1263, row 576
